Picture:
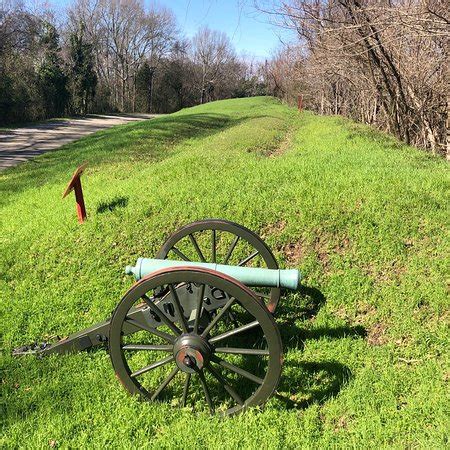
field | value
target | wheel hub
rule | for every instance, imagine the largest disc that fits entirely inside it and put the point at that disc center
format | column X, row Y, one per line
column 191, row 352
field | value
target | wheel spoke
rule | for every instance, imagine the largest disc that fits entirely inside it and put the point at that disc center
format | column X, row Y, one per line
column 161, row 315
column 213, row 246
column 164, row 384
column 218, row 316
column 233, row 319
column 152, row 366
column 226, row 385
column 197, row 248
column 178, row 309
column 237, row 370
column 249, row 258
column 166, row 336
column 185, row 390
column 230, row 250
column 198, row 312
column 138, row 347
column 180, row 254
column 206, row 391
column 233, row 332
column 242, row 351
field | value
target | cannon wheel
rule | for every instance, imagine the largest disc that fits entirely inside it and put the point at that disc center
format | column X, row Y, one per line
column 256, row 246
column 193, row 360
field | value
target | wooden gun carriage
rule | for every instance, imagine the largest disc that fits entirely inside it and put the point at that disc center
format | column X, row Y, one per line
column 206, row 327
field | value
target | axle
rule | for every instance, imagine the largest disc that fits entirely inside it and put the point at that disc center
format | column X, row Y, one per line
column 250, row 276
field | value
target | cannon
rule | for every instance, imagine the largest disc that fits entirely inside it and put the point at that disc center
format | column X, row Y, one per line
column 197, row 325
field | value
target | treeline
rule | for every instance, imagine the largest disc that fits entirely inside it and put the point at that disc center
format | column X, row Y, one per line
column 108, row 56
column 380, row 62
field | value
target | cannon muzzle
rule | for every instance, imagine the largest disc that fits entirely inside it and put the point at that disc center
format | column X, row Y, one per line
column 250, row 276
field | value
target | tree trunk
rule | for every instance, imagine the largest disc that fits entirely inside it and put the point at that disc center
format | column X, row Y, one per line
column 150, row 90
column 203, row 93
column 448, row 128
column 134, row 94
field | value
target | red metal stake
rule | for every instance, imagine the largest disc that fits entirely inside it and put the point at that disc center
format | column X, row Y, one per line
column 81, row 209
column 75, row 185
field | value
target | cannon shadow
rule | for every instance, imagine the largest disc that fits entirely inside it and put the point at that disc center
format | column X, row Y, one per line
column 304, row 383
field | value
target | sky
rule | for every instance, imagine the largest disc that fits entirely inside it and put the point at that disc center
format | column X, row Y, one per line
column 249, row 31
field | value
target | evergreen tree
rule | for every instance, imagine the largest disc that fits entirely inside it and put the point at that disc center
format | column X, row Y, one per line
column 144, row 78
column 6, row 96
column 53, row 80
column 83, row 77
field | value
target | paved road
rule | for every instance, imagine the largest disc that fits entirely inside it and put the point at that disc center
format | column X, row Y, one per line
column 25, row 143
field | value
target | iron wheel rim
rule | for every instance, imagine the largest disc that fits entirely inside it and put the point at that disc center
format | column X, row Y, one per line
column 243, row 296
column 237, row 230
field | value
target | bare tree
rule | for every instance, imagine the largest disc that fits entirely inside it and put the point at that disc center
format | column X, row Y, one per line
column 112, row 55
column 125, row 35
column 212, row 51
column 378, row 61
column 162, row 34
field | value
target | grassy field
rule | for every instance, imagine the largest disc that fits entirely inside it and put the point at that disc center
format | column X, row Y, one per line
column 362, row 216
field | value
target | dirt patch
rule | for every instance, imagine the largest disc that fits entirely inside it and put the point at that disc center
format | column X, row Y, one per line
column 321, row 249
column 341, row 424
column 342, row 246
column 377, row 335
column 282, row 147
column 404, row 341
column 365, row 313
column 294, row 252
column 323, row 246
column 273, row 229
column 389, row 273
column 326, row 245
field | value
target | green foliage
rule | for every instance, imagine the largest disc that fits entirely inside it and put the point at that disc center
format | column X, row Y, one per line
column 144, row 77
column 33, row 83
column 20, row 94
column 361, row 215
column 52, row 79
column 6, row 96
column 83, row 79
column 250, row 87
column 175, row 90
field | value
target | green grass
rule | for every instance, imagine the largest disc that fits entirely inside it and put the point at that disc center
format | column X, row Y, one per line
column 362, row 216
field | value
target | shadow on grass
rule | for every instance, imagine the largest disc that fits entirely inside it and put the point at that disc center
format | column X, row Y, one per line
column 302, row 384
column 308, row 382
column 117, row 202
column 311, row 382
column 367, row 133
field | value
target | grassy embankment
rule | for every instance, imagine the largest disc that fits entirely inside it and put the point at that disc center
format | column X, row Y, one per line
column 362, row 216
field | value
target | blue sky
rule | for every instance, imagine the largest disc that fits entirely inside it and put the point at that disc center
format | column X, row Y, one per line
column 248, row 30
